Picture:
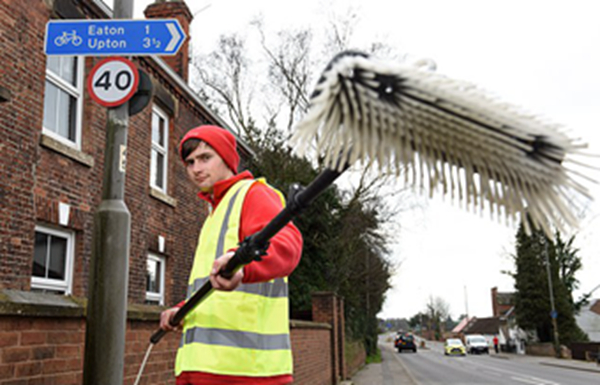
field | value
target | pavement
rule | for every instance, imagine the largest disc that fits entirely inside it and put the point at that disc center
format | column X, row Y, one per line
column 372, row 374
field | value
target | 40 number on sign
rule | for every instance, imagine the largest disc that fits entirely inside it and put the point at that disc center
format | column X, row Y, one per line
column 113, row 81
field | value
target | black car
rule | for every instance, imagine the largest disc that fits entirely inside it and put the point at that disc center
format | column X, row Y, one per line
column 405, row 341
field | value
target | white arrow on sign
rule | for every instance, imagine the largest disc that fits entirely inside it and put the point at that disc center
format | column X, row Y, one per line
column 175, row 39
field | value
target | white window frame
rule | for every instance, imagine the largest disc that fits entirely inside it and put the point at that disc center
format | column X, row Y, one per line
column 65, row 285
column 162, row 150
column 160, row 296
column 77, row 93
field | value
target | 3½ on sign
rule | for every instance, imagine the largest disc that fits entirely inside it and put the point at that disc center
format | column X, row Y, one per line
column 113, row 81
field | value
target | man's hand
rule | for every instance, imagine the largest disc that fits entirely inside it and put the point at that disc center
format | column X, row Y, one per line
column 166, row 317
column 221, row 283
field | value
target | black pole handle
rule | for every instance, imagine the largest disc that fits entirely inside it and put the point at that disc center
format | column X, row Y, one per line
column 255, row 246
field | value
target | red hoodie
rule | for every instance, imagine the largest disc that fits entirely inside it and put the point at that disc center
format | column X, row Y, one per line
column 261, row 205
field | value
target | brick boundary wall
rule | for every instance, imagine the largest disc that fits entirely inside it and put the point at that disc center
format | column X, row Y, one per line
column 545, row 349
column 356, row 356
column 580, row 350
column 311, row 347
column 42, row 341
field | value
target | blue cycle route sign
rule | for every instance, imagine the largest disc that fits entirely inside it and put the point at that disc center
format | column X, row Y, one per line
column 114, row 37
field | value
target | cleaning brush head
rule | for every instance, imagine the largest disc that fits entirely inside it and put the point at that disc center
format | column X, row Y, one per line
column 446, row 136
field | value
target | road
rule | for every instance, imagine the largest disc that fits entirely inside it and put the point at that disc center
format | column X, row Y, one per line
column 430, row 367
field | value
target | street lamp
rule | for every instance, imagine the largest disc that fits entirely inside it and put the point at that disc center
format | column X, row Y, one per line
column 553, row 313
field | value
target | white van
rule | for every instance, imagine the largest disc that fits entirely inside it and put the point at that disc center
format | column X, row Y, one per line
column 476, row 343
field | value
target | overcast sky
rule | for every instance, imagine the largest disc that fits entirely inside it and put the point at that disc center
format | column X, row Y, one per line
column 541, row 55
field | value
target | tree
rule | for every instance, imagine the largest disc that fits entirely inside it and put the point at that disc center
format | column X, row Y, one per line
column 438, row 311
column 532, row 297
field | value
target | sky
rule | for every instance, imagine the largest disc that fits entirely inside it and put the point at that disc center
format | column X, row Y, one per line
column 540, row 55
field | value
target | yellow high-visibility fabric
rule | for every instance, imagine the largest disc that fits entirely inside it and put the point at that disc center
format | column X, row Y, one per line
column 239, row 333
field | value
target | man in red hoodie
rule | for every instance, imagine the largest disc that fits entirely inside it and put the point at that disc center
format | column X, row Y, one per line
column 240, row 333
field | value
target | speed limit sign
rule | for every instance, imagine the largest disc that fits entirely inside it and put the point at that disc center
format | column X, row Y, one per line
column 113, row 81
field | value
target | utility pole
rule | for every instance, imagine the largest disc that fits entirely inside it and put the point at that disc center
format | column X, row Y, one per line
column 553, row 313
column 466, row 305
column 109, row 268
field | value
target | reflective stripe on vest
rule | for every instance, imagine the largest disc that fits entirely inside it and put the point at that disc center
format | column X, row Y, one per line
column 274, row 289
column 244, row 332
column 236, row 338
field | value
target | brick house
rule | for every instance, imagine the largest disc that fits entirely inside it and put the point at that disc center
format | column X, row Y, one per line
column 52, row 137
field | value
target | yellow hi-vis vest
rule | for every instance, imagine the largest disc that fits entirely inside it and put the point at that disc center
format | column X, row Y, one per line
column 244, row 332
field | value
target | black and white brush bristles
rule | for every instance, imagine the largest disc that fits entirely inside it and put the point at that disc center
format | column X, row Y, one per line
column 450, row 135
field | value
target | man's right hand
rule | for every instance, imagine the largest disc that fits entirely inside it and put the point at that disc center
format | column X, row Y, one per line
column 166, row 317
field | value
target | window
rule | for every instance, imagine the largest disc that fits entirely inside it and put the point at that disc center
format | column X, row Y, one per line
column 155, row 280
column 63, row 101
column 52, row 260
column 158, row 161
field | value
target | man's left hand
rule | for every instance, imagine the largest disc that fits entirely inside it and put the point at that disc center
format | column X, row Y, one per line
column 221, row 283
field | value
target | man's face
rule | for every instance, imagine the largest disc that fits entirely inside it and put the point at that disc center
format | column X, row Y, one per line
column 205, row 167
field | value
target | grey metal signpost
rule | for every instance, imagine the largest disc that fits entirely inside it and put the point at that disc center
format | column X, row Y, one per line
column 109, row 269
column 116, row 81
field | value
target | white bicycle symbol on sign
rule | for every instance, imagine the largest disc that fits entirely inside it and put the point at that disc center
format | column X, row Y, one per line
column 67, row 37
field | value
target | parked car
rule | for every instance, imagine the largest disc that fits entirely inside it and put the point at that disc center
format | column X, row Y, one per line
column 454, row 347
column 476, row 344
column 405, row 341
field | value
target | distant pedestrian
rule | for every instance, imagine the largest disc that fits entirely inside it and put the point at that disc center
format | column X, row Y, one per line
column 496, row 344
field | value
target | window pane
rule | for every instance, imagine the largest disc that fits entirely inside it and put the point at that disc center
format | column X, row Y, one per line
column 158, row 130
column 160, row 170
column 66, row 119
column 161, row 132
column 153, row 167
column 152, row 276
column 65, row 67
column 157, row 169
column 50, row 106
column 72, row 118
column 58, row 257
column 54, row 64
column 60, row 112
column 39, row 255
column 70, row 70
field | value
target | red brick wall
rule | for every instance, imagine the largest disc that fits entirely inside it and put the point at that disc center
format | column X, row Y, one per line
column 21, row 72
column 311, row 347
column 49, row 350
column 161, row 362
column 41, row 348
column 326, row 309
column 43, row 343
column 356, row 357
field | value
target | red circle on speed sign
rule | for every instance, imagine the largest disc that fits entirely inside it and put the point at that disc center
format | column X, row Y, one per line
column 113, row 81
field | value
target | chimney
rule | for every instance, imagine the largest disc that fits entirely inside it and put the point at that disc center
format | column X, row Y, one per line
column 495, row 309
column 174, row 9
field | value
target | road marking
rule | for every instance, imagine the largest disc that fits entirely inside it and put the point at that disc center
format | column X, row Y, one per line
column 520, row 379
column 524, row 377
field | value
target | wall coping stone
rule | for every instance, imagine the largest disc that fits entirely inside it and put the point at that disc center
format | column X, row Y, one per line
column 36, row 304
column 26, row 303
column 298, row 324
